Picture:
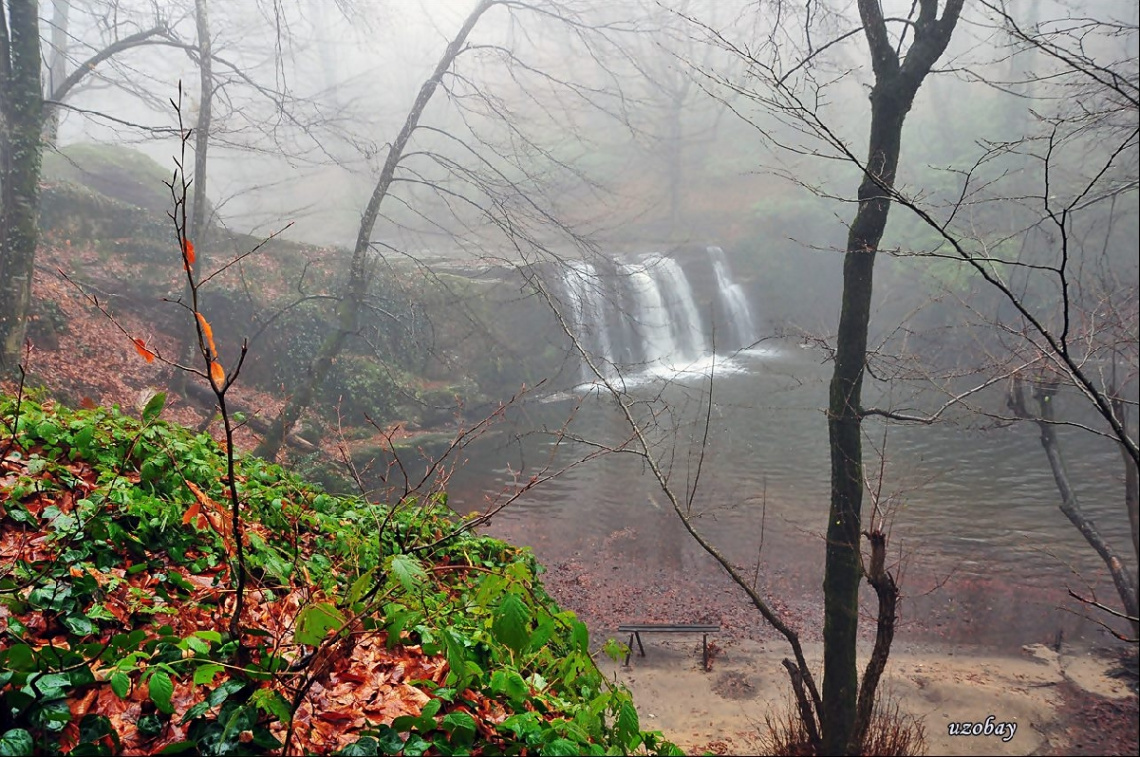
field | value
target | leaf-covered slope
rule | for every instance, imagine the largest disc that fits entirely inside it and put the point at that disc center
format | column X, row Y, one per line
column 367, row 629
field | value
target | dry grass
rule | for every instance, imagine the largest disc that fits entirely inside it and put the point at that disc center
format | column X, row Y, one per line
column 892, row 732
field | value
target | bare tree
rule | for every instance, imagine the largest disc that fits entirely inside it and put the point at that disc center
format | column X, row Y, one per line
column 363, row 264
column 57, row 61
column 897, row 81
column 1039, row 227
column 74, row 61
column 22, row 113
column 21, row 107
column 197, row 229
column 1066, row 278
column 469, row 173
column 791, row 90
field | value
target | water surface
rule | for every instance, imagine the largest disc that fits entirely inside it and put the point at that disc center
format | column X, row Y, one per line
column 972, row 513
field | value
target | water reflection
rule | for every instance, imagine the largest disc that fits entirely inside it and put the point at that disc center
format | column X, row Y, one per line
column 978, row 508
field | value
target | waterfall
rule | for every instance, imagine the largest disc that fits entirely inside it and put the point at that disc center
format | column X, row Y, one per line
column 649, row 316
column 685, row 325
column 588, row 314
column 643, row 313
column 733, row 299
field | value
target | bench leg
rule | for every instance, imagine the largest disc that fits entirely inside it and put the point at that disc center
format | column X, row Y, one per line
column 629, row 650
column 640, row 648
column 705, row 648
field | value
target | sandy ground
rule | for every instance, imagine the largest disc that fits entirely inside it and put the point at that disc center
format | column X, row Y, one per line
column 722, row 710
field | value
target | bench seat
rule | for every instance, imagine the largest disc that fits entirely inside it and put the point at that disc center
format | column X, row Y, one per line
column 636, row 629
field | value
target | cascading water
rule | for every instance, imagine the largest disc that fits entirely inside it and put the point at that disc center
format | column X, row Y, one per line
column 588, row 310
column 733, row 298
column 644, row 315
column 650, row 317
column 684, row 317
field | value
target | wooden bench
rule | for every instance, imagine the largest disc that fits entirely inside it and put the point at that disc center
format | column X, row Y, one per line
column 636, row 629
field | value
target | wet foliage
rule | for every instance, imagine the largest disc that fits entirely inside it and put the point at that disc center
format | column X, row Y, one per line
column 367, row 629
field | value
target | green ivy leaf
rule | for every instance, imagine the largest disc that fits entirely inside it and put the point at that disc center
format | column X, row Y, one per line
column 456, row 655
column 314, row 622
column 627, row 720
column 416, row 746
column 509, row 682
column 154, row 408
column 121, row 685
column 408, row 571
column 195, row 712
column 561, row 748
column 511, row 623
column 204, row 675
column 430, row 708
column 52, row 716
column 19, row 657
column 461, row 726
column 272, row 703
column 15, row 743
column 365, row 746
column 360, row 586
column 541, row 634
column 150, row 725
column 223, row 692
column 161, row 689
column 581, row 635
column 80, row 626
column 389, row 740
column 83, row 438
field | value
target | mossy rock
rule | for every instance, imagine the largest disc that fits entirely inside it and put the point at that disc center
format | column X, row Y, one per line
column 47, row 323
column 439, row 406
column 425, row 445
column 78, row 213
column 114, row 171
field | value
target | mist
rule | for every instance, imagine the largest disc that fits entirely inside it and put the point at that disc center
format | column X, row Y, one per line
column 712, row 290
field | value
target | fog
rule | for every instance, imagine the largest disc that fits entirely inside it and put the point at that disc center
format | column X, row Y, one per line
column 618, row 115
column 569, row 128
column 576, row 226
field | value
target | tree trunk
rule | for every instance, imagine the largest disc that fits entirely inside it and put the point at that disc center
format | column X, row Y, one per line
column 197, row 230
column 887, row 593
column 21, row 105
column 891, row 98
column 842, row 568
column 1045, row 399
column 363, row 264
column 1131, row 478
column 57, row 66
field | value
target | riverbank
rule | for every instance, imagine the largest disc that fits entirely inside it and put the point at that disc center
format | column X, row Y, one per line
column 1041, row 702
column 965, row 649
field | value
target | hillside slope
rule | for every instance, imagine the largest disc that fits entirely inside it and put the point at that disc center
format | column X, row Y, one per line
column 364, row 628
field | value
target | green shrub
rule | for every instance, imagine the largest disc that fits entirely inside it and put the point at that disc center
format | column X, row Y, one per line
column 117, row 599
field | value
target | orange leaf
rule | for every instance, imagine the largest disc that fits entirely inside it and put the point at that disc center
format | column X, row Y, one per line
column 208, row 333
column 217, row 374
column 188, row 253
column 140, row 347
column 191, row 513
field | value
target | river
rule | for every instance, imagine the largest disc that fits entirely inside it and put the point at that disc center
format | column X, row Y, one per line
column 983, row 552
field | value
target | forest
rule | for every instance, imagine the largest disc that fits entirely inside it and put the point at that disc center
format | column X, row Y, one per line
column 371, row 370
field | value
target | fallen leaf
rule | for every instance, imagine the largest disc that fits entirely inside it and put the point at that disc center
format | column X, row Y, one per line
column 191, row 513
column 140, row 347
column 208, row 334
